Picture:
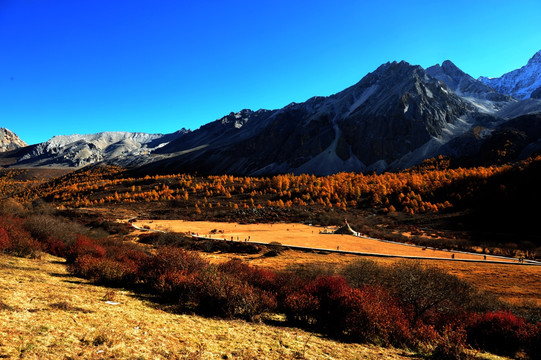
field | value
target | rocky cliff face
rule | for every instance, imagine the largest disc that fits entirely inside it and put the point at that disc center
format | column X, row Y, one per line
column 466, row 86
column 536, row 94
column 10, row 141
column 388, row 114
column 519, row 83
column 406, row 110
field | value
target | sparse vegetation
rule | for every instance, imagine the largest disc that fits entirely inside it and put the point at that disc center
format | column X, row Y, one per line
column 408, row 305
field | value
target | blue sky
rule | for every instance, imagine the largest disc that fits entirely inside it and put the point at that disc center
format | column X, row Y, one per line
column 85, row 66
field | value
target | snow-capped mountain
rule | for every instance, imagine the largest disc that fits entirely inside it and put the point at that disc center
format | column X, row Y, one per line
column 9, row 140
column 519, row 83
column 80, row 150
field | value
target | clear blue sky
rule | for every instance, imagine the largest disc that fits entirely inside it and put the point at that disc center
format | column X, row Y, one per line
column 85, row 66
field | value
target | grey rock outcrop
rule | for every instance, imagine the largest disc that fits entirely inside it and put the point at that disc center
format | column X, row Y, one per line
column 9, row 140
column 121, row 148
column 465, row 85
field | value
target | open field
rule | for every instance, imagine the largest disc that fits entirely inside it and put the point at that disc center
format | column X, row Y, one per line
column 47, row 314
column 515, row 284
column 301, row 235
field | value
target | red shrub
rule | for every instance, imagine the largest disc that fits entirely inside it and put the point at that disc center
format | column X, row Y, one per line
column 425, row 336
column 170, row 259
column 225, row 295
column 179, row 286
column 84, row 246
column 55, row 247
column 372, row 314
column 259, row 278
column 329, row 291
column 125, row 253
column 103, row 270
column 300, row 307
column 17, row 241
column 4, row 239
column 451, row 344
column 500, row 332
column 367, row 314
column 85, row 266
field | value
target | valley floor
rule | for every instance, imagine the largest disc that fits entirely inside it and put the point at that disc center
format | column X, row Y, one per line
column 292, row 234
column 511, row 282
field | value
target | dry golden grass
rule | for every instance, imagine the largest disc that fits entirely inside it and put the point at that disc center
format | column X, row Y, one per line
column 47, row 314
column 300, row 235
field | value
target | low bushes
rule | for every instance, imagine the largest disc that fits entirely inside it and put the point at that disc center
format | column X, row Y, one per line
column 373, row 315
column 103, row 270
column 84, row 246
column 409, row 305
column 504, row 333
column 227, row 290
column 4, row 239
column 168, row 259
column 222, row 294
column 15, row 240
column 369, row 314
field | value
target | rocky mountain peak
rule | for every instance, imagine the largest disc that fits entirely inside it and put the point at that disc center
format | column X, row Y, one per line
column 536, row 59
column 9, row 140
column 465, row 85
column 448, row 66
column 519, row 83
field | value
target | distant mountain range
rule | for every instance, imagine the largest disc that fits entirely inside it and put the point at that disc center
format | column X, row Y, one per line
column 519, row 83
column 393, row 118
column 9, row 140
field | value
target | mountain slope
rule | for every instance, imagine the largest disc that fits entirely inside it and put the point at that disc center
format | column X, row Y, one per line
column 393, row 118
column 485, row 98
column 389, row 113
column 519, row 83
column 9, row 140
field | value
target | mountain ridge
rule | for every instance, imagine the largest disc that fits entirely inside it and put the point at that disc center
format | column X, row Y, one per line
column 519, row 83
column 394, row 117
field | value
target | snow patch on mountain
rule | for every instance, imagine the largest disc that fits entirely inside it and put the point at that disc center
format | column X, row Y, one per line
column 365, row 95
column 519, row 83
